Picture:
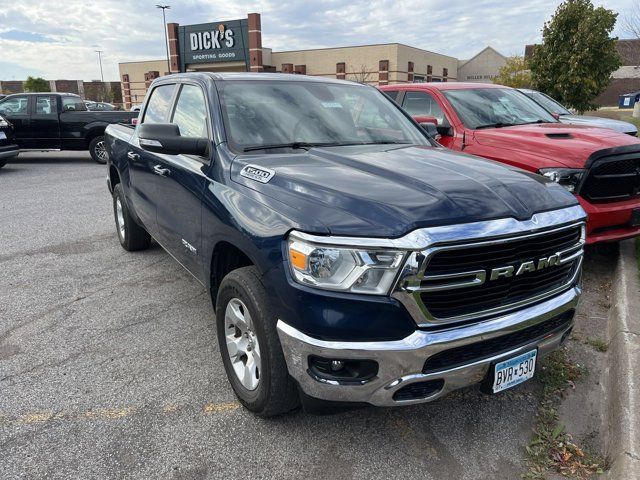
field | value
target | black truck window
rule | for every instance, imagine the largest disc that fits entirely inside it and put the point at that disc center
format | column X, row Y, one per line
column 191, row 112
column 73, row 104
column 159, row 104
column 45, row 105
column 14, row 105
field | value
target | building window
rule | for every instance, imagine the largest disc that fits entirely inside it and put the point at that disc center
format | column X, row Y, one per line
column 429, row 70
column 445, row 74
column 419, row 79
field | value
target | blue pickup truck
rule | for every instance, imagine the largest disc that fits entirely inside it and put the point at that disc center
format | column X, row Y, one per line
column 350, row 258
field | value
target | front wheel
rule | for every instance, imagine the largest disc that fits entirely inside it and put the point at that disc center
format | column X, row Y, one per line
column 250, row 347
column 98, row 150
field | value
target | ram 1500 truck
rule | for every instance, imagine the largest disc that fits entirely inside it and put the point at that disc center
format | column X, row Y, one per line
column 600, row 166
column 59, row 121
column 349, row 257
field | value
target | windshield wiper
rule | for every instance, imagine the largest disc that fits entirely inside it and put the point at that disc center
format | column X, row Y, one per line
column 307, row 145
column 536, row 121
column 496, row 125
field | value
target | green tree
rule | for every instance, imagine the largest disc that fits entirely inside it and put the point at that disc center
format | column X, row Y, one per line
column 36, row 84
column 515, row 73
column 577, row 55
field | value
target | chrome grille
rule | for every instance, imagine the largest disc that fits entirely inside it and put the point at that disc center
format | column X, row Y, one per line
column 455, row 283
column 614, row 177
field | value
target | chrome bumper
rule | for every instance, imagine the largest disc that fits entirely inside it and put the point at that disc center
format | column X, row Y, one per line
column 401, row 361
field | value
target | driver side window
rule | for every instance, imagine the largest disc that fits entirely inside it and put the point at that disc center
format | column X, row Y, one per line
column 421, row 103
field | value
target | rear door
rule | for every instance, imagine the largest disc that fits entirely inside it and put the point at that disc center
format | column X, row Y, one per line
column 44, row 126
column 16, row 109
column 144, row 179
column 179, row 202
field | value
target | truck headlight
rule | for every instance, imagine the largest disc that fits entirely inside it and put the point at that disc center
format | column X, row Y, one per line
column 353, row 269
column 569, row 178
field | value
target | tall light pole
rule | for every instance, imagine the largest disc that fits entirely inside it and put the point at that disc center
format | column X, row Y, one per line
column 164, row 26
column 99, row 52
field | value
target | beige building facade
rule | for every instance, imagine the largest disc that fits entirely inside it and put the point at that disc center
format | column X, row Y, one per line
column 482, row 67
column 236, row 45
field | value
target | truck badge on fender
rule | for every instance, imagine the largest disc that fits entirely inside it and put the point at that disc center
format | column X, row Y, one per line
column 259, row 174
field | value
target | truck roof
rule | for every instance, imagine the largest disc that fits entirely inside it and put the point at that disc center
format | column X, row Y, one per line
column 229, row 76
column 61, row 94
column 442, row 86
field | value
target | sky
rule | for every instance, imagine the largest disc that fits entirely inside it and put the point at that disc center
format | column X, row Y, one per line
column 58, row 39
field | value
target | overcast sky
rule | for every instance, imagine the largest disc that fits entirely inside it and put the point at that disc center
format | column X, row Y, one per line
column 57, row 39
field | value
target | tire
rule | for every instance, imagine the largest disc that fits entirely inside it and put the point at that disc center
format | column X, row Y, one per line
column 98, row 150
column 131, row 235
column 274, row 392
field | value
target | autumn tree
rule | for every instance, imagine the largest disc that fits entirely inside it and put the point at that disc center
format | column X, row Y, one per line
column 515, row 73
column 577, row 55
column 36, row 84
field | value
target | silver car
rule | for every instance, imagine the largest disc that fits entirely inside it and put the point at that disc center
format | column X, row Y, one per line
column 565, row 116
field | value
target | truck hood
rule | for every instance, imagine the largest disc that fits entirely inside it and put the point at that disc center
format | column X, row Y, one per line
column 561, row 144
column 387, row 191
column 610, row 123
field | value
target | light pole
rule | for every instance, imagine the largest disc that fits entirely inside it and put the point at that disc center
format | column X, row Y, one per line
column 164, row 26
column 99, row 52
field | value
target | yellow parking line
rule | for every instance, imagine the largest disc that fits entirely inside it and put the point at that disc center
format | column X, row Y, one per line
column 116, row 413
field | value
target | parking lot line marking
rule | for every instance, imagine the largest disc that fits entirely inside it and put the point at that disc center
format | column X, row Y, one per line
column 44, row 416
column 220, row 407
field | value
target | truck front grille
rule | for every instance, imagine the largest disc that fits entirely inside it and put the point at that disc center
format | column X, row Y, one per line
column 615, row 177
column 462, row 282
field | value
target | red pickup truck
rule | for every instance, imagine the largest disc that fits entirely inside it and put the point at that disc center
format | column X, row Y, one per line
column 600, row 166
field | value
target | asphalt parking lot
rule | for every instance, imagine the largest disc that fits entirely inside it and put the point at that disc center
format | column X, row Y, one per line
column 109, row 367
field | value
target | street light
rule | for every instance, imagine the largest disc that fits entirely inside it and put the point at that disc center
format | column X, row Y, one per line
column 164, row 26
column 99, row 52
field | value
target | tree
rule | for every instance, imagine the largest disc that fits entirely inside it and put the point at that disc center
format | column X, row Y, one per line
column 363, row 75
column 36, row 84
column 631, row 27
column 515, row 73
column 577, row 56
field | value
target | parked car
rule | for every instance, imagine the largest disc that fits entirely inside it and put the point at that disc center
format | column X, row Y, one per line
column 99, row 106
column 599, row 166
column 349, row 257
column 8, row 147
column 565, row 116
column 59, row 121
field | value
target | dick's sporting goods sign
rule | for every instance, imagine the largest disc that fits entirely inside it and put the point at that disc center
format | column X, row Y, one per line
column 214, row 43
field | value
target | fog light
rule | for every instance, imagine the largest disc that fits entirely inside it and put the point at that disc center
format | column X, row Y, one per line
column 337, row 365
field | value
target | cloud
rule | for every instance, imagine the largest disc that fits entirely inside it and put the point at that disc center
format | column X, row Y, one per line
column 58, row 39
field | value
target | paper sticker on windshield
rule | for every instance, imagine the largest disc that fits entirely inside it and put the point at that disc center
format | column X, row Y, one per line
column 331, row 104
column 259, row 174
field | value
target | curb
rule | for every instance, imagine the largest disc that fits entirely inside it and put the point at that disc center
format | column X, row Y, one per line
column 622, row 374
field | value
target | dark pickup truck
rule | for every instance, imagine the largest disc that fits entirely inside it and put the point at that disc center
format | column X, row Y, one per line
column 349, row 257
column 59, row 121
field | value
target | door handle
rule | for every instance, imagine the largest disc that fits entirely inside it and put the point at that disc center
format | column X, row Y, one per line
column 159, row 170
column 133, row 156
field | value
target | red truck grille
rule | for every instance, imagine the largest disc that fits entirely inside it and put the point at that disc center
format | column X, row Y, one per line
column 613, row 178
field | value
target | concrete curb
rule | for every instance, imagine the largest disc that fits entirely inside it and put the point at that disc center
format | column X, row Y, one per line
column 622, row 374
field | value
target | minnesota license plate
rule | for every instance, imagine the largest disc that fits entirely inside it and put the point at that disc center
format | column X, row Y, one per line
column 3, row 135
column 514, row 371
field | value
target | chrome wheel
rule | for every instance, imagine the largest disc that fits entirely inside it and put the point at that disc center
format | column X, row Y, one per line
column 101, row 151
column 120, row 219
column 242, row 344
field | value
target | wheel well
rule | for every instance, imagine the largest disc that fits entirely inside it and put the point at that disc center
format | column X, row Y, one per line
column 93, row 134
column 226, row 258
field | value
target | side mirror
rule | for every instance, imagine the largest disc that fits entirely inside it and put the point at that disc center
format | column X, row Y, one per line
column 444, row 130
column 425, row 119
column 555, row 115
column 165, row 138
column 431, row 129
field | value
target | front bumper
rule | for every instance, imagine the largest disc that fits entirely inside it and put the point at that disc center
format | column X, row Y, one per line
column 401, row 362
column 609, row 222
column 9, row 151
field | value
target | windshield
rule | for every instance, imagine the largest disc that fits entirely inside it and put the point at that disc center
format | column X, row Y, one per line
column 290, row 114
column 548, row 103
column 496, row 107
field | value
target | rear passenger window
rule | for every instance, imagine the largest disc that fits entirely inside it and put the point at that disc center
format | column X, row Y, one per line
column 45, row 105
column 159, row 104
column 392, row 94
column 421, row 103
column 191, row 112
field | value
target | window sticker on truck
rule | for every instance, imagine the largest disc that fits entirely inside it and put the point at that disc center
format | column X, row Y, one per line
column 259, row 174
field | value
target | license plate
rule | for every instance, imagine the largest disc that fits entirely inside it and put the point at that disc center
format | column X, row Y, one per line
column 3, row 135
column 514, row 371
column 635, row 218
